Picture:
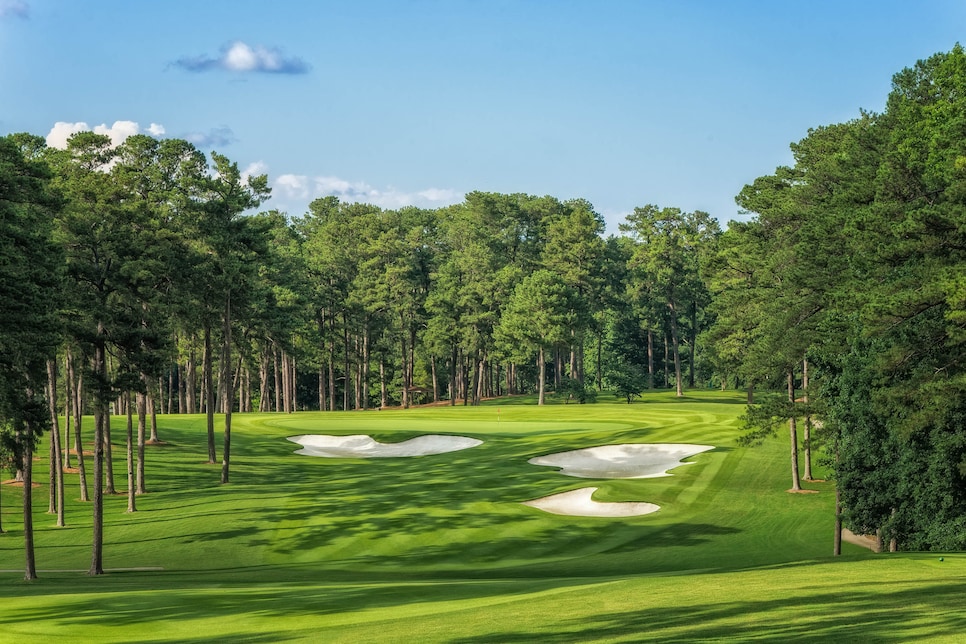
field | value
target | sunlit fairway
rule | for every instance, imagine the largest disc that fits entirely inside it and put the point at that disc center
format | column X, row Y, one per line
column 439, row 548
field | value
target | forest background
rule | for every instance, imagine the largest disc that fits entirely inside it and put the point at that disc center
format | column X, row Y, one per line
column 145, row 273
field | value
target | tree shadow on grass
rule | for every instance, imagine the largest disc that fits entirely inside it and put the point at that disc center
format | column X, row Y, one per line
column 439, row 512
column 436, row 512
column 181, row 597
column 864, row 613
column 440, row 509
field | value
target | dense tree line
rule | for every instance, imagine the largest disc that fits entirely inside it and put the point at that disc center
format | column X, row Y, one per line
column 849, row 284
column 29, row 291
column 151, row 277
column 147, row 271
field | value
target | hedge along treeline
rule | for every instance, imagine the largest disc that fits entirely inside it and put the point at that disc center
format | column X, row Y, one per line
column 853, row 264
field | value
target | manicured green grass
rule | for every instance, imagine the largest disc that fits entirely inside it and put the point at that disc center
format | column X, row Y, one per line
column 439, row 548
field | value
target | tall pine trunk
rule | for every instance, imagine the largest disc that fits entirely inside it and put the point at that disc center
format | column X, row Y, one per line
column 432, row 365
column 403, row 357
column 153, row 414
column 345, row 348
column 807, row 430
column 142, row 409
column 365, row 367
column 264, row 403
column 322, row 361
column 793, row 433
column 191, row 379
column 170, row 398
column 676, row 348
column 52, row 476
column 474, row 389
column 77, row 404
column 229, row 389
column 27, row 457
column 542, row 375
column 837, row 537
column 286, row 389
column 131, row 505
column 464, row 379
column 100, row 421
column 599, row 364
column 411, row 362
column 692, row 343
column 277, row 377
column 209, row 394
column 67, row 409
column 667, row 363
column 357, row 379
column 453, row 393
column 383, row 386
column 557, row 368
column 481, row 380
column 331, row 363
column 332, row 376
column 109, row 487
column 57, row 464
column 580, row 363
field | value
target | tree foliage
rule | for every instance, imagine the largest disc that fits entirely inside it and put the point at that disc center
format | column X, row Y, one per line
column 146, row 260
column 855, row 258
column 30, row 274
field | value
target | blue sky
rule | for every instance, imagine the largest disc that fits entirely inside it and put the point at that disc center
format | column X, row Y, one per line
column 418, row 102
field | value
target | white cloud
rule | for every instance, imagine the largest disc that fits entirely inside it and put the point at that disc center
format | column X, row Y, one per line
column 254, row 169
column 442, row 196
column 58, row 135
column 295, row 187
column 120, row 130
column 242, row 57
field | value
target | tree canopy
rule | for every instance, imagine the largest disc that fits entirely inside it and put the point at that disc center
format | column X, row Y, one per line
column 149, row 267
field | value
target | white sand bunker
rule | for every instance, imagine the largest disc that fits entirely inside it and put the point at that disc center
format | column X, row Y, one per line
column 629, row 461
column 578, row 503
column 362, row 446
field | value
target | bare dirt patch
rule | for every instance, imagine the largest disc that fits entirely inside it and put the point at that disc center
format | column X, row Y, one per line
column 16, row 483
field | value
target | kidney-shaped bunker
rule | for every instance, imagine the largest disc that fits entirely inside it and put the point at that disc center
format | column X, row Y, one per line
column 362, row 446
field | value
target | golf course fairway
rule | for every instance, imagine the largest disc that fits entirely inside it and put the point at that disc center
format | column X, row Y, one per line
column 441, row 548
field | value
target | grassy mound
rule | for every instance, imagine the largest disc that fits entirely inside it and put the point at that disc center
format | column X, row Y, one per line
column 440, row 547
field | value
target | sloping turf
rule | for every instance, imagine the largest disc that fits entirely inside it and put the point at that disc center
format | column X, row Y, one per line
column 439, row 549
